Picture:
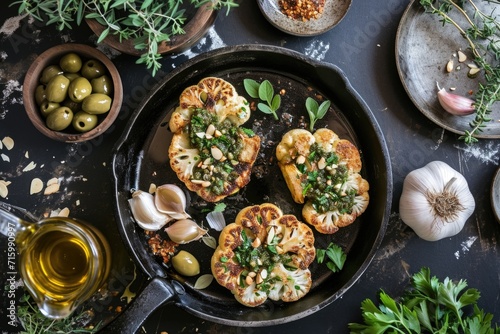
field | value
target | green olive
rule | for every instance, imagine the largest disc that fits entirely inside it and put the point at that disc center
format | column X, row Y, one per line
column 96, row 103
column 47, row 107
column 102, row 84
column 79, row 89
column 59, row 119
column 186, row 264
column 70, row 62
column 72, row 76
column 49, row 72
column 74, row 106
column 40, row 94
column 83, row 122
column 57, row 88
column 93, row 68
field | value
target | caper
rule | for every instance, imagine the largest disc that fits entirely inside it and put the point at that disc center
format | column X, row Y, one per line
column 93, row 68
column 79, row 89
column 96, row 103
column 83, row 122
column 186, row 264
column 47, row 107
column 40, row 94
column 70, row 62
column 49, row 72
column 59, row 119
column 102, row 84
column 57, row 88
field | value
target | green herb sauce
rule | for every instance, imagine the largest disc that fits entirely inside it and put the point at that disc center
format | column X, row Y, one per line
column 324, row 186
column 229, row 142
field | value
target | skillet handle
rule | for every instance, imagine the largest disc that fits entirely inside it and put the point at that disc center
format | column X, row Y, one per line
column 157, row 292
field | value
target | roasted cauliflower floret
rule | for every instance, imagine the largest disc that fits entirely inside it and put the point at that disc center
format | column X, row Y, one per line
column 210, row 152
column 264, row 253
column 322, row 170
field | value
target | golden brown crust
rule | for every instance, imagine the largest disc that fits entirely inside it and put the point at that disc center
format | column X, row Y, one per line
column 294, row 146
column 264, row 226
column 218, row 97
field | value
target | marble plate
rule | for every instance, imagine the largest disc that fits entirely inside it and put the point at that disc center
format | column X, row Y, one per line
column 423, row 48
column 333, row 13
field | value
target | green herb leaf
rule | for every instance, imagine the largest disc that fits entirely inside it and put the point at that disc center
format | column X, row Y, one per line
column 429, row 306
column 316, row 111
column 203, row 281
column 335, row 255
column 251, row 87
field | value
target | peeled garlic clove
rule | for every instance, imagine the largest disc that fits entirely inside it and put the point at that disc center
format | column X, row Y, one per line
column 145, row 212
column 455, row 104
column 170, row 199
column 184, row 231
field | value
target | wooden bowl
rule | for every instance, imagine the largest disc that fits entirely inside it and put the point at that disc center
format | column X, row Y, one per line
column 197, row 24
column 51, row 57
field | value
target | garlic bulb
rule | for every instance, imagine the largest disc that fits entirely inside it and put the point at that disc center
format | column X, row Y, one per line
column 436, row 201
column 184, row 231
column 145, row 212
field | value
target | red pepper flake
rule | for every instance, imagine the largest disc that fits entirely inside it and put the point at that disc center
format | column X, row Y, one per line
column 303, row 10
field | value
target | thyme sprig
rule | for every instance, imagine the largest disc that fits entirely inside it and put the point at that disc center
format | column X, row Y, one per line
column 482, row 34
column 147, row 22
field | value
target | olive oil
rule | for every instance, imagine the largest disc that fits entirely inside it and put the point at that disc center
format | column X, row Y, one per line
column 58, row 264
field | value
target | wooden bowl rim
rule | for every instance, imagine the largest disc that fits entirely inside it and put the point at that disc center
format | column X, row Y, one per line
column 31, row 81
column 194, row 29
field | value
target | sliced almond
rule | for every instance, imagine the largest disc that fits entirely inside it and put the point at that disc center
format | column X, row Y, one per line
column 36, row 186
column 461, row 56
column 300, row 159
column 8, row 142
column 449, row 66
column 256, row 243
column 64, row 212
column 472, row 65
column 3, row 190
column 29, row 167
column 322, row 163
column 270, row 235
column 5, row 157
column 216, row 153
column 152, row 188
column 248, row 280
column 53, row 180
column 473, row 72
column 210, row 130
column 53, row 188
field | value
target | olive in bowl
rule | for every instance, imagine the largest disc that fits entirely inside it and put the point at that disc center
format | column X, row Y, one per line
column 64, row 81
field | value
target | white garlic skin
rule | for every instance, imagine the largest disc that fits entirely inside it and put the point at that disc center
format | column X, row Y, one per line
column 145, row 212
column 416, row 211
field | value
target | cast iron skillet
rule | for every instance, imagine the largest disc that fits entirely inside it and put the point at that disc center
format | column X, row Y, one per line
column 141, row 158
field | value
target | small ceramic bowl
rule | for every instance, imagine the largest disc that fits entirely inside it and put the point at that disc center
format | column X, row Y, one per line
column 52, row 57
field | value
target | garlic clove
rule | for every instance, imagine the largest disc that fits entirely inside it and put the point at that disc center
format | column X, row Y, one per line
column 145, row 212
column 171, row 200
column 184, row 231
column 455, row 104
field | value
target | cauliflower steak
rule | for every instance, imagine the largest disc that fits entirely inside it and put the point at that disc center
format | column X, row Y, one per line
column 264, row 254
column 210, row 152
column 322, row 171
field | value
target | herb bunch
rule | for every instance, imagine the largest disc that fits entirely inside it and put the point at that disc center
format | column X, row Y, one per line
column 147, row 22
column 430, row 306
column 482, row 33
column 35, row 322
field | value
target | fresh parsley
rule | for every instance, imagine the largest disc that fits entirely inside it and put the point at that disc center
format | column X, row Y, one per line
column 265, row 92
column 334, row 255
column 316, row 111
column 430, row 306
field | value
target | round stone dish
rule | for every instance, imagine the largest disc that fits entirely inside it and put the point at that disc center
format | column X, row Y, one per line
column 495, row 195
column 334, row 11
column 52, row 56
